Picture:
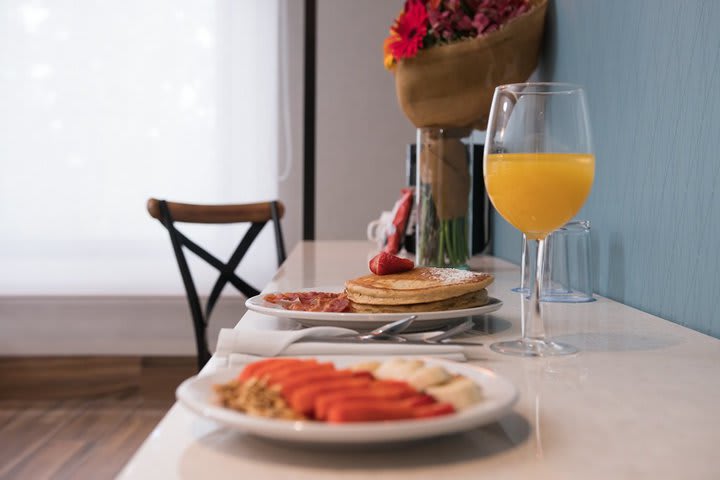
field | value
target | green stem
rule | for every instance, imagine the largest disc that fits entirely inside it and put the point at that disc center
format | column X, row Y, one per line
column 456, row 246
column 441, row 248
column 450, row 241
column 462, row 239
column 466, row 235
column 468, row 247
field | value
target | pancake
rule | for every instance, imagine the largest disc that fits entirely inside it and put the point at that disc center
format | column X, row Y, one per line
column 469, row 300
column 419, row 285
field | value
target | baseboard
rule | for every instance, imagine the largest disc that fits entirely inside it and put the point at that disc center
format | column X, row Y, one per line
column 106, row 325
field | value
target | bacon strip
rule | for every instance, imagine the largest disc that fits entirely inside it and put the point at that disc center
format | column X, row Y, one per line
column 310, row 301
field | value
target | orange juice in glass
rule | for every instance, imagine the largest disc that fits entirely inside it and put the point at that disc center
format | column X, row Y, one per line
column 539, row 192
column 539, row 169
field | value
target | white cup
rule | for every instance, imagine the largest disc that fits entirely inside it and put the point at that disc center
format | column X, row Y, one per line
column 379, row 230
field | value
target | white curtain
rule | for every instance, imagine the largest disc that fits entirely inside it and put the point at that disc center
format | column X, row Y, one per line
column 104, row 104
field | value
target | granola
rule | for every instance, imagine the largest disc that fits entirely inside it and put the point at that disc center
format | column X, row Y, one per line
column 255, row 397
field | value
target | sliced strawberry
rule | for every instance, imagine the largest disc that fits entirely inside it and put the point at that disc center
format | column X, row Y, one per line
column 385, row 263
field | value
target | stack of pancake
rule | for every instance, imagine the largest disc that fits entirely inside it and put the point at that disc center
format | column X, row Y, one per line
column 422, row 289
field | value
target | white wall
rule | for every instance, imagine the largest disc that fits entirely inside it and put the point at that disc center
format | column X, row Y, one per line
column 361, row 133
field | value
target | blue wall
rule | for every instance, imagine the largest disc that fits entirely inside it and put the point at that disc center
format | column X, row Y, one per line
column 652, row 73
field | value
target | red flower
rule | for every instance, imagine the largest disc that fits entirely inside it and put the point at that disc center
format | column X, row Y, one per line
column 411, row 28
column 453, row 5
column 441, row 23
column 481, row 22
column 462, row 22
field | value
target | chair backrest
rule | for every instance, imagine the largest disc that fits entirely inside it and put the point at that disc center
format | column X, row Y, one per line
column 257, row 214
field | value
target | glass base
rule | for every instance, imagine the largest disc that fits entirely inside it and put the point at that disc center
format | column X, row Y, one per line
column 533, row 348
column 567, row 298
column 559, row 296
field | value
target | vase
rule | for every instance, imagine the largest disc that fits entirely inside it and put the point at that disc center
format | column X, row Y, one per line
column 442, row 200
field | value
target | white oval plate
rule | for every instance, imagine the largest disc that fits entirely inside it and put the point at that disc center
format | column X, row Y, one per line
column 365, row 321
column 499, row 395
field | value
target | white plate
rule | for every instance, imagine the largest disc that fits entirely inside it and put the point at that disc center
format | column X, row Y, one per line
column 499, row 395
column 365, row 321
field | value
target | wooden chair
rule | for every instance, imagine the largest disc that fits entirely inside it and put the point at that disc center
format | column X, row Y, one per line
column 257, row 214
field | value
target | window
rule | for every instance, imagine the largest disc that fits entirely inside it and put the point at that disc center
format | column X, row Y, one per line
column 105, row 104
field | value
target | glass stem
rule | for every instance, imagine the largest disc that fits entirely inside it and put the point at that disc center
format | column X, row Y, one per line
column 532, row 319
column 524, row 279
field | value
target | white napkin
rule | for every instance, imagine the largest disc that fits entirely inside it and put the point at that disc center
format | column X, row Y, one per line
column 269, row 343
column 241, row 346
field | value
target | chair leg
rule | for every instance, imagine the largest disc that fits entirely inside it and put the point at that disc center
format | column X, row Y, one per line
column 199, row 323
column 203, row 351
column 279, row 241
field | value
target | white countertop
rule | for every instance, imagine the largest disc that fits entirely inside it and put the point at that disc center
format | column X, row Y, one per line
column 641, row 400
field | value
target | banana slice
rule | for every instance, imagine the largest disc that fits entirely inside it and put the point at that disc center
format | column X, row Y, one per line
column 397, row 369
column 425, row 377
column 460, row 392
column 366, row 366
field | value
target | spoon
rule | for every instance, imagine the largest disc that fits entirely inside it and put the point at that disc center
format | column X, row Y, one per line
column 387, row 333
column 390, row 330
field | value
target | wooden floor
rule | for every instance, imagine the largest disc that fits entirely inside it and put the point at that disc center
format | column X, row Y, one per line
column 78, row 418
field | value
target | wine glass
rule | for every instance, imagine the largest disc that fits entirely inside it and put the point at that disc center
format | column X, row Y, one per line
column 539, row 168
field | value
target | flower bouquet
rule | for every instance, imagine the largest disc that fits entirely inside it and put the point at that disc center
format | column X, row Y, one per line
column 448, row 56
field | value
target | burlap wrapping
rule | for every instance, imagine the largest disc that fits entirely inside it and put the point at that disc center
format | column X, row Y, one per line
column 452, row 85
column 444, row 165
